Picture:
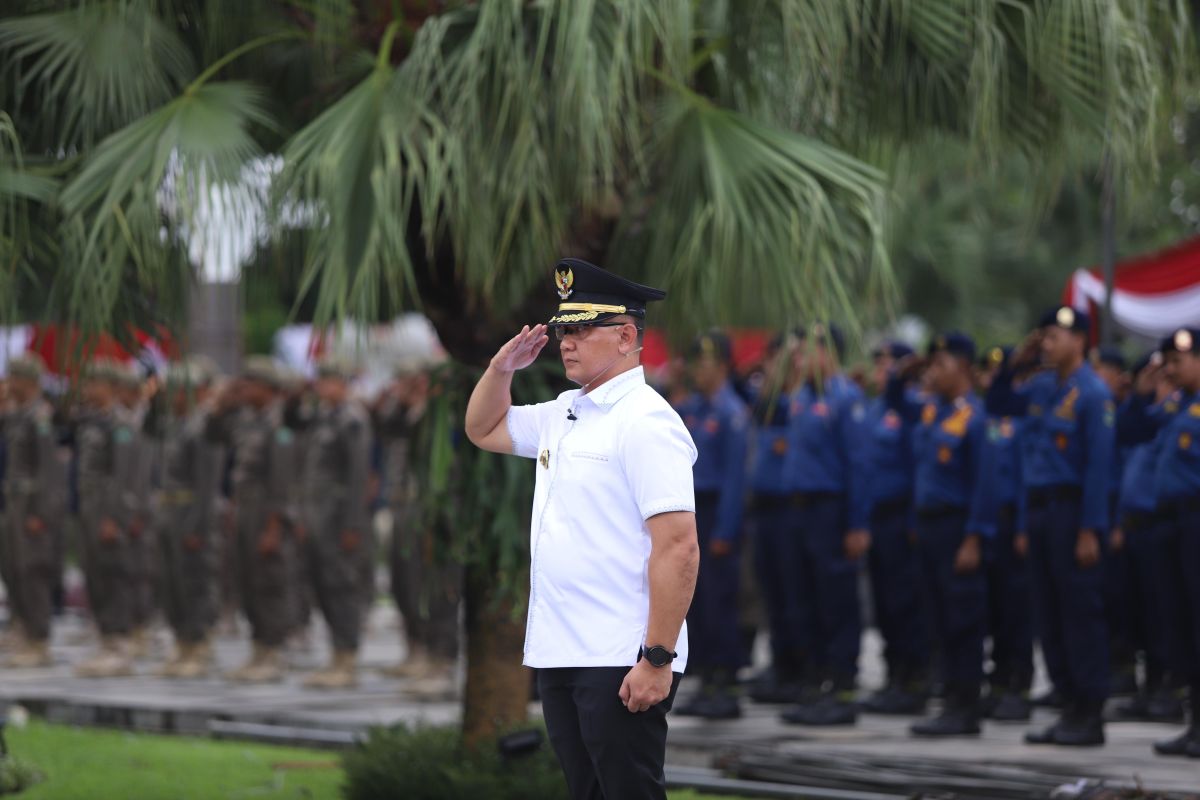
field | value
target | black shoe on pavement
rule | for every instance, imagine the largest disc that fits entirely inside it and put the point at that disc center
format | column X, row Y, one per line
column 825, row 712
column 1181, row 745
column 1084, row 728
column 894, row 701
column 951, row 722
column 1011, row 707
column 1135, row 709
column 1165, row 705
column 722, row 705
column 697, row 705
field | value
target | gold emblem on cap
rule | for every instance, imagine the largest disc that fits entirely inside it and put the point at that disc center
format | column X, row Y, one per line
column 1183, row 341
column 995, row 355
column 564, row 279
column 1065, row 317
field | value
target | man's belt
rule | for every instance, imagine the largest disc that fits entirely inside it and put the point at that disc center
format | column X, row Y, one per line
column 935, row 513
column 1042, row 496
column 1138, row 520
column 176, row 497
column 1169, row 509
column 807, row 499
column 891, row 506
column 769, row 501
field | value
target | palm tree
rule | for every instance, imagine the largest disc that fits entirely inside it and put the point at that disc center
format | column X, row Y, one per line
column 736, row 153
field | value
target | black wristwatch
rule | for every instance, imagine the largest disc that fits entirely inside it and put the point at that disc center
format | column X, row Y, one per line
column 658, row 656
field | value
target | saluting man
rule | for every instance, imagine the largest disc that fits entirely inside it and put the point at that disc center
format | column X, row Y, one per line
column 1177, row 492
column 717, row 419
column 954, row 515
column 613, row 540
column 1070, row 419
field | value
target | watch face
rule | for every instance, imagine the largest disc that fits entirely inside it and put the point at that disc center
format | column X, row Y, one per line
column 658, row 656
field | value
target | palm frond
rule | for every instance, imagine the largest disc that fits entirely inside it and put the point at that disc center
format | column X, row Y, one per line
column 115, row 226
column 81, row 74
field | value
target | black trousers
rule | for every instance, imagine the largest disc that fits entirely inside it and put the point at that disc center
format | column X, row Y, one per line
column 606, row 751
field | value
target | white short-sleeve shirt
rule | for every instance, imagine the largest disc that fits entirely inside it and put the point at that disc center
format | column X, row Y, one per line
column 626, row 457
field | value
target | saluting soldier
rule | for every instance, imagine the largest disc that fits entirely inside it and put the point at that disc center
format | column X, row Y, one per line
column 34, row 485
column 614, row 550
column 777, row 538
column 247, row 416
column 718, row 422
column 338, row 534
column 954, row 517
column 828, row 472
column 1010, row 603
column 1177, row 492
column 1159, row 697
column 1069, row 416
column 107, row 503
column 186, row 519
column 143, row 550
column 427, row 589
column 894, row 559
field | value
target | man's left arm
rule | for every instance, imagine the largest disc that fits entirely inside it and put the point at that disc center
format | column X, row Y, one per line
column 671, row 571
column 657, row 454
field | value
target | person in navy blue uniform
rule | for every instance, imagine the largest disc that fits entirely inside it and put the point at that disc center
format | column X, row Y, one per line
column 827, row 468
column 719, row 423
column 954, row 515
column 776, row 534
column 1010, row 606
column 1158, row 699
column 894, row 560
column 1069, row 417
column 1177, row 493
column 1110, row 365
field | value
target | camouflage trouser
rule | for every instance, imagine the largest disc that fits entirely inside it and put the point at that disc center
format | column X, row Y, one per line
column 188, row 579
column 144, row 564
column 29, row 559
column 335, row 567
column 266, row 577
column 107, row 572
column 426, row 592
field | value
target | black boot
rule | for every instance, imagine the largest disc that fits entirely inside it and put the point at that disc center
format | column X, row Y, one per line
column 833, row 706
column 1167, row 702
column 959, row 716
column 1135, row 709
column 1085, row 728
column 1047, row 735
column 1011, row 707
column 697, row 705
column 1189, row 743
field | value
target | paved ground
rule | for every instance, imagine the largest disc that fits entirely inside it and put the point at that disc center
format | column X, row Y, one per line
column 876, row 748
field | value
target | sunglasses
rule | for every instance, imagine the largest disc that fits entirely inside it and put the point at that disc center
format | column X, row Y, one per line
column 581, row 332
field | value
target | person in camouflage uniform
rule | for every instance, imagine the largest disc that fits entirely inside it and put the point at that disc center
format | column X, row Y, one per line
column 143, row 549
column 427, row 592
column 34, row 482
column 106, row 473
column 186, row 519
column 337, row 524
column 247, row 417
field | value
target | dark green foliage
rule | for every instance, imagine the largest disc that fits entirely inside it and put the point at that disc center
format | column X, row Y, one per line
column 431, row 764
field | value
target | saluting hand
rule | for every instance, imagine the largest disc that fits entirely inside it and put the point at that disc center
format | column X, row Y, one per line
column 1147, row 380
column 521, row 350
column 645, row 686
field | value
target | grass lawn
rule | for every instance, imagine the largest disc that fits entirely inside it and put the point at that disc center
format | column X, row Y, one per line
column 90, row 764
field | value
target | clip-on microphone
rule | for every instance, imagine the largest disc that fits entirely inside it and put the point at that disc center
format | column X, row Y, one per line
column 571, row 411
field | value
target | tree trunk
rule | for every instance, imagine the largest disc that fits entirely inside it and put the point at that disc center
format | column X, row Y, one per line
column 497, row 692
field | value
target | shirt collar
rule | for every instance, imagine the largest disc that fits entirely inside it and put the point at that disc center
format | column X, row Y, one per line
column 608, row 393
